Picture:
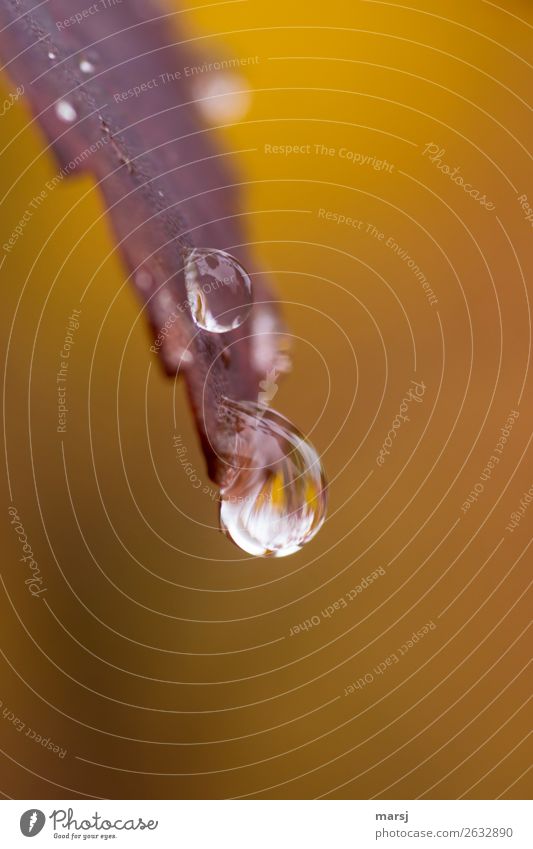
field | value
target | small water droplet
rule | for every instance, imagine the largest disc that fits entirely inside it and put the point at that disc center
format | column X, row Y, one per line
column 219, row 290
column 223, row 97
column 160, row 193
column 65, row 111
column 276, row 496
column 165, row 299
column 86, row 67
column 52, row 54
column 182, row 358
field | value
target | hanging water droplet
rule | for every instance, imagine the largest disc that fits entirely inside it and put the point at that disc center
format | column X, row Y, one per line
column 86, row 67
column 52, row 54
column 65, row 111
column 275, row 499
column 219, row 290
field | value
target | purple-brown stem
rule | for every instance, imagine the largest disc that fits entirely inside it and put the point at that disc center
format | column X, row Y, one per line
column 166, row 184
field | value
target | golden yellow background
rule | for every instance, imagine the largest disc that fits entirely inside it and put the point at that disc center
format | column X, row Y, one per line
column 160, row 657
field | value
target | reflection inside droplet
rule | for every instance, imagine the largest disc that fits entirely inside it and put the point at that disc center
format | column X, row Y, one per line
column 275, row 499
column 180, row 358
column 65, row 111
column 219, row 290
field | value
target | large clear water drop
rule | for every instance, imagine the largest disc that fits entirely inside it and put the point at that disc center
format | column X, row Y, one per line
column 219, row 290
column 275, row 498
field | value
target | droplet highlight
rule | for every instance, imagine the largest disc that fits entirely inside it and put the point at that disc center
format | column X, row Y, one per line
column 180, row 358
column 86, row 66
column 222, row 97
column 219, row 290
column 65, row 111
column 275, row 499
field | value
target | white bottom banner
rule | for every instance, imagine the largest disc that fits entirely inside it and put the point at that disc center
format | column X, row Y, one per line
column 268, row 824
